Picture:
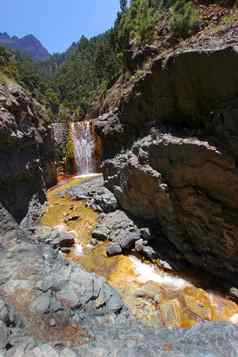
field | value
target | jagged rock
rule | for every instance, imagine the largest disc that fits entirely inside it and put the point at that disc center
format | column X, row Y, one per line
column 57, row 238
column 146, row 234
column 63, row 240
column 96, row 194
column 120, row 229
column 234, row 293
column 147, row 251
column 101, row 233
column 26, row 150
column 175, row 162
column 139, row 245
column 71, row 218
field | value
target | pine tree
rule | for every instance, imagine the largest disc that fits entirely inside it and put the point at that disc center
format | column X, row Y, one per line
column 123, row 5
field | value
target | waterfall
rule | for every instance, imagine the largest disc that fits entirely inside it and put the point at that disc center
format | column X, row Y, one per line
column 83, row 137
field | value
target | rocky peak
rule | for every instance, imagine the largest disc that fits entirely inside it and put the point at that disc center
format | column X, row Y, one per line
column 29, row 45
column 4, row 35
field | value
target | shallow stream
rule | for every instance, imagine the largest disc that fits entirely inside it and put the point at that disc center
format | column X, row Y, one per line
column 155, row 295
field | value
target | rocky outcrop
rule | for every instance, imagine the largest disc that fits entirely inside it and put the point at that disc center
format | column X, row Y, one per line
column 95, row 194
column 182, row 89
column 175, row 160
column 26, row 150
column 51, row 307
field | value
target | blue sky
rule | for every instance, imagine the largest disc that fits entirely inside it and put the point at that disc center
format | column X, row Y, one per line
column 57, row 23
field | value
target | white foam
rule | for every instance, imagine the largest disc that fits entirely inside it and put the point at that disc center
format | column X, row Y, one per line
column 86, row 176
column 234, row 319
column 147, row 272
column 78, row 249
column 61, row 227
column 90, row 246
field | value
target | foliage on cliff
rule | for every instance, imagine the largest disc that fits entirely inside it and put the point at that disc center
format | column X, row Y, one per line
column 136, row 25
column 70, row 82
column 89, row 70
column 24, row 71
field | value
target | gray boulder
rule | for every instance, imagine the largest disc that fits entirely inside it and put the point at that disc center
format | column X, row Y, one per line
column 96, row 194
column 114, row 249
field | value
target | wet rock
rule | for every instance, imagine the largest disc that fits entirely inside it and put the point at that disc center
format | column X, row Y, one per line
column 101, row 233
column 165, row 265
column 114, row 249
column 57, row 238
column 65, row 250
column 146, row 234
column 71, row 218
column 98, row 197
column 139, row 245
column 234, row 293
column 65, row 240
column 128, row 241
column 120, row 229
column 94, row 242
column 149, row 252
column 172, row 190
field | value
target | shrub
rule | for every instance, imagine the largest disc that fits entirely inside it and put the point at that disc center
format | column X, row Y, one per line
column 184, row 18
column 135, row 25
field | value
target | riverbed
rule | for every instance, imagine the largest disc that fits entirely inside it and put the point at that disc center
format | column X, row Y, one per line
column 154, row 293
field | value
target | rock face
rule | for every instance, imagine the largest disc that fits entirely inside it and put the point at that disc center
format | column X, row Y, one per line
column 26, row 151
column 28, row 45
column 175, row 160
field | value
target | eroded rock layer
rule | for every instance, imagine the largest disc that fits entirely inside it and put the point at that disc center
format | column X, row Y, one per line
column 26, row 150
column 175, row 160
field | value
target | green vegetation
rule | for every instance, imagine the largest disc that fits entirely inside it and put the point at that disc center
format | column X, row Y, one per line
column 70, row 82
column 135, row 24
column 90, row 68
column 184, row 18
column 69, row 155
column 8, row 64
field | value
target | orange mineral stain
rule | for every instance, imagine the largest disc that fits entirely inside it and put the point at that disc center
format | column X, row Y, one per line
column 154, row 296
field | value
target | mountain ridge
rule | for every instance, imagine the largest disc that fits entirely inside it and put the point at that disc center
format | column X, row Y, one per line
column 29, row 45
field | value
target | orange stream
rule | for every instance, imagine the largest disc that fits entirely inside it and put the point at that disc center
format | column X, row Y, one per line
column 150, row 302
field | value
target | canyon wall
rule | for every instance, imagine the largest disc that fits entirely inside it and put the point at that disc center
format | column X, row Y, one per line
column 26, row 151
column 171, row 150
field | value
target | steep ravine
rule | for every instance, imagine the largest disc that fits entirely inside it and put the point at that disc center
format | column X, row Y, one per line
column 170, row 153
column 174, row 184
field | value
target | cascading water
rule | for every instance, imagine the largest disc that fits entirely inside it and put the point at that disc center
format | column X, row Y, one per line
column 84, row 147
